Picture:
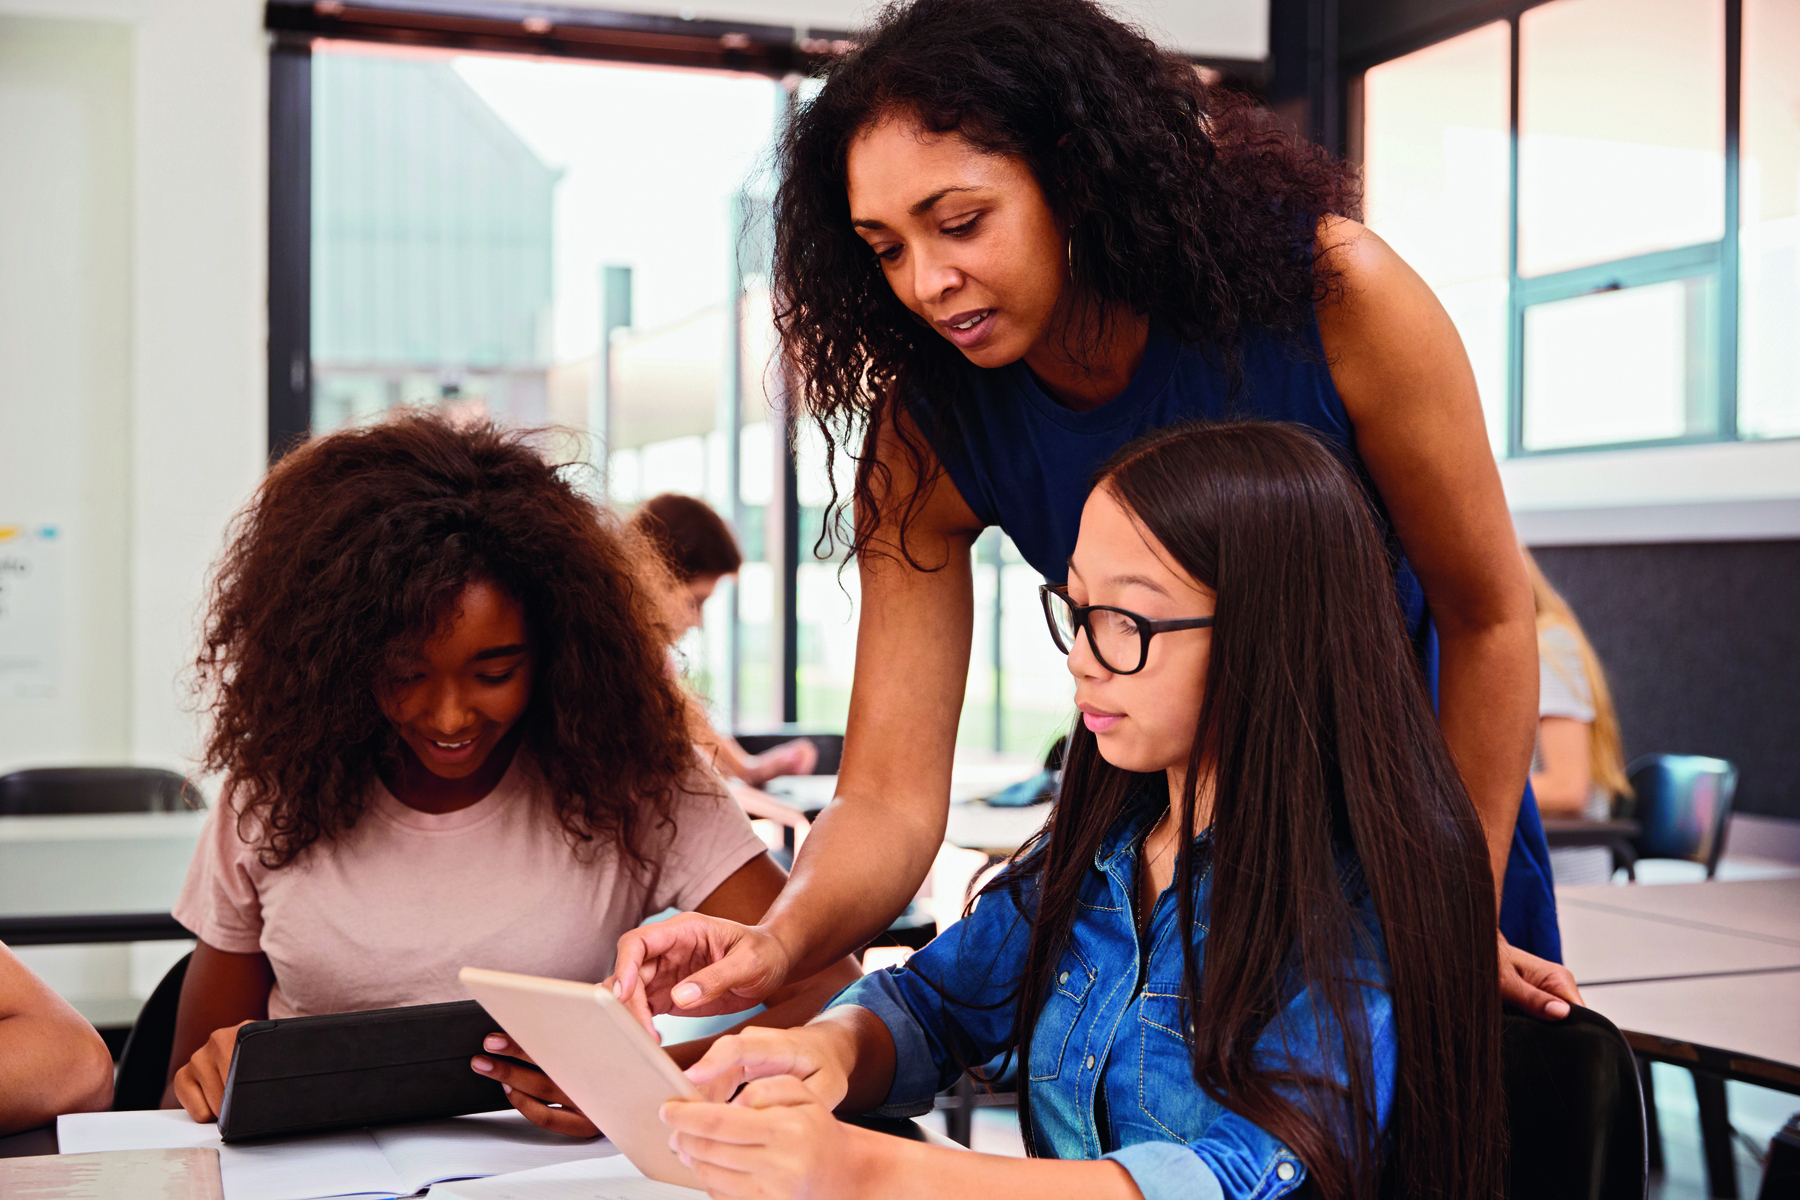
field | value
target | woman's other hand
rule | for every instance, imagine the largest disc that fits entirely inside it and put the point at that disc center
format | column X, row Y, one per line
column 200, row 1084
column 698, row 966
column 531, row 1091
column 797, row 757
column 776, row 1142
column 1538, row 986
column 810, row 1053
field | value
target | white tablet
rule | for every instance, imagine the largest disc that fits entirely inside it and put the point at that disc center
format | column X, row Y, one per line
column 595, row 1051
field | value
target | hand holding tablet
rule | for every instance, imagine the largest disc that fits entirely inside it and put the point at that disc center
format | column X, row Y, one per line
column 604, row 1061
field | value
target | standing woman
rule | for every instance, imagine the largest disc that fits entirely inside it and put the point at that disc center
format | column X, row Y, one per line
column 1012, row 236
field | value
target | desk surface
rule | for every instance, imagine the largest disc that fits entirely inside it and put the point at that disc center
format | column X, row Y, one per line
column 972, row 826
column 1753, row 1021
column 997, row 831
column 105, row 863
column 1603, row 945
column 1763, row 908
column 970, row 778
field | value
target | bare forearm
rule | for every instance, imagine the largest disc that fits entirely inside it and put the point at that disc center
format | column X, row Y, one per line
column 50, row 1063
column 861, row 864
column 790, row 1007
column 867, row 854
column 1487, row 704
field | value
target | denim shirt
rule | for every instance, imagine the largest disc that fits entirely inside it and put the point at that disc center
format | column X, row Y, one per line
column 1110, row 1072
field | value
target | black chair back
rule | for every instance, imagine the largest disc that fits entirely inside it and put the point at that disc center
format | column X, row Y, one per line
column 144, row 1063
column 63, row 790
column 1576, row 1110
column 1682, row 804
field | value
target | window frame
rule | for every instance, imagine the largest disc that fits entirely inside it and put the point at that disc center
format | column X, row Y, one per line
column 779, row 52
column 1717, row 260
column 489, row 27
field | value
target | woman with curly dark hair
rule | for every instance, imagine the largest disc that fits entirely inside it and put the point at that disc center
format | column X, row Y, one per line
column 1011, row 236
column 437, row 681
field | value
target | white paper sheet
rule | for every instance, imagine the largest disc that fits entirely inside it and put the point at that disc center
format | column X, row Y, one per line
column 158, row 1129
column 348, row 1163
column 393, row 1161
column 482, row 1144
column 611, row 1178
column 302, row 1168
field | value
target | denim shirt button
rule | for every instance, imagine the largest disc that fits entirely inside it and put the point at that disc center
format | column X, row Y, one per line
column 1284, row 1171
column 1063, row 978
column 1090, row 1062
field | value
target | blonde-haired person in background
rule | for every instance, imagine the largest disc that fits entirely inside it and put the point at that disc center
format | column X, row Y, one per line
column 699, row 549
column 1579, row 764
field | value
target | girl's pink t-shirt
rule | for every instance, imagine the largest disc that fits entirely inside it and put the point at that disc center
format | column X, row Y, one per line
column 389, row 912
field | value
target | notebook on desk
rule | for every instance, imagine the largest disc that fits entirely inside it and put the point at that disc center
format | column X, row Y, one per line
column 398, row 1160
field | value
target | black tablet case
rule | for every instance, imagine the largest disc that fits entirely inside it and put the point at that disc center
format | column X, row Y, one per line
column 306, row 1074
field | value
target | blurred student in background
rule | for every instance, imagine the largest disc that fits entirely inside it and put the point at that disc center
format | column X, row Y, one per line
column 701, row 551
column 1579, row 764
column 51, row 1060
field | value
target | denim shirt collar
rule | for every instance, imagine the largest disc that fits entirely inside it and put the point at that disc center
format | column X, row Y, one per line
column 1148, row 802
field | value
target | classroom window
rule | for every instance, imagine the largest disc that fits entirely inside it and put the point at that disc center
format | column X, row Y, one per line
column 1632, row 365
column 1621, row 130
column 1435, row 158
column 1565, row 181
column 1769, row 237
column 475, row 248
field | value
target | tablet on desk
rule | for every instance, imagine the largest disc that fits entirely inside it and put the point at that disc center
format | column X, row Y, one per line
column 595, row 1051
column 305, row 1074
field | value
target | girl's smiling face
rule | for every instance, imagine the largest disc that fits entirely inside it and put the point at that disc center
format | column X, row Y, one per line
column 1145, row 721
column 467, row 687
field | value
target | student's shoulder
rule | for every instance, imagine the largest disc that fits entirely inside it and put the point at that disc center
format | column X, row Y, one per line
column 236, row 824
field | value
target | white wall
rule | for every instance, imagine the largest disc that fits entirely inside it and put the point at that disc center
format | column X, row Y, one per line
column 65, row 382
column 1730, row 491
column 182, row 442
column 1211, row 28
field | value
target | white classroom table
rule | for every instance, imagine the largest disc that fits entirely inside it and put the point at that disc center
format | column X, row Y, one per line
column 1764, row 908
column 1744, row 1026
column 99, row 863
column 972, row 825
column 1703, row 975
column 1603, row 945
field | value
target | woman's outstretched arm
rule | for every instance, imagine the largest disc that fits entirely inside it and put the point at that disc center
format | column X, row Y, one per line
column 1406, row 383
column 866, row 854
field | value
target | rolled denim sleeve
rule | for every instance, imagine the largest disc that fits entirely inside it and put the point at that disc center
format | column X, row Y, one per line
column 951, row 1006
column 1236, row 1160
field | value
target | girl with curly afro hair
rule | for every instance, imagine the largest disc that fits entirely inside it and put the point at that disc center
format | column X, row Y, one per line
column 440, row 697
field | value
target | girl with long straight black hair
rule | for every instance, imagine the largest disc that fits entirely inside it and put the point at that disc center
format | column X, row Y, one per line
column 1011, row 237
column 1257, row 763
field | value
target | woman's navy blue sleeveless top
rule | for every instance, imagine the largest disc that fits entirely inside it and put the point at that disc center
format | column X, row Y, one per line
column 1024, row 462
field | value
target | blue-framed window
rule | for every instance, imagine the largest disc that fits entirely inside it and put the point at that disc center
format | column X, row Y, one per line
column 1604, row 195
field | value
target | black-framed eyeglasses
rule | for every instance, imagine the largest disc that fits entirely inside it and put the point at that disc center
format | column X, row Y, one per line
column 1116, row 635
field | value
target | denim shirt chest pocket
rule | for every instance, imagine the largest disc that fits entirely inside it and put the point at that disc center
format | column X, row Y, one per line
column 1168, row 1098
column 1061, row 1014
